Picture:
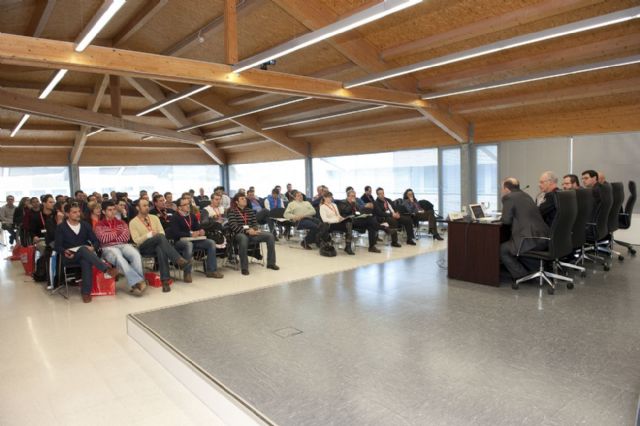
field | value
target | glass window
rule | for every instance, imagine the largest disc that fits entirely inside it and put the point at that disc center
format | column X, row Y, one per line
column 451, row 197
column 394, row 171
column 33, row 181
column 132, row 179
column 265, row 176
column 487, row 175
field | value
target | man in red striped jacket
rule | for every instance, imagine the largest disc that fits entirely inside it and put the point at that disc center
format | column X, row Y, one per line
column 114, row 239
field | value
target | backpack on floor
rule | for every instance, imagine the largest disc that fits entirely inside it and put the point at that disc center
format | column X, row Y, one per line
column 40, row 274
column 327, row 249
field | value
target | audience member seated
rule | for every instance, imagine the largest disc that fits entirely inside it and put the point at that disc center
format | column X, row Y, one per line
column 280, row 194
column 76, row 243
column 418, row 214
column 570, row 182
column 521, row 213
column 383, row 209
column 114, row 237
column 243, row 225
column 215, row 211
column 362, row 217
column 201, row 198
column 122, row 210
column 43, row 224
column 159, row 209
column 548, row 184
column 226, row 201
column 6, row 218
column 147, row 233
column 168, row 201
column 271, row 202
column 19, row 214
column 317, row 199
column 302, row 214
column 330, row 215
column 81, row 198
column 183, row 228
column 94, row 213
column 289, row 193
column 368, row 197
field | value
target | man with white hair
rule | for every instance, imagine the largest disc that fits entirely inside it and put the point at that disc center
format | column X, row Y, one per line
column 548, row 184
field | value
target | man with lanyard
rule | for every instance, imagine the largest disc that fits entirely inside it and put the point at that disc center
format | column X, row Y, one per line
column 114, row 237
column 214, row 212
column 362, row 221
column 242, row 221
column 159, row 209
column 77, row 243
column 184, row 227
column 148, row 234
column 43, row 224
column 386, row 214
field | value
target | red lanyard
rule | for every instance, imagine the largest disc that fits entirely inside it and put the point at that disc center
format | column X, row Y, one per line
column 386, row 205
column 42, row 219
column 187, row 222
column 245, row 217
column 147, row 224
column 333, row 209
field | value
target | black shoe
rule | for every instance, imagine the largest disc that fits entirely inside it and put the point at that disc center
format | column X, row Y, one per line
column 374, row 249
column 305, row 245
column 411, row 243
column 348, row 250
column 437, row 237
column 395, row 245
column 245, row 272
column 274, row 267
column 165, row 286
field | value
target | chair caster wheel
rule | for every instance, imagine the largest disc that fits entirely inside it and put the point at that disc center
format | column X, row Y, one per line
column 515, row 286
column 570, row 286
column 551, row 290
column 606, row 267
column 621, row 258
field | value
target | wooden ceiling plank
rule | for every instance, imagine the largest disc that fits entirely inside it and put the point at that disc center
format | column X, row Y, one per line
column 114, row 91
column 314, row 14
column 146, row 12
column 93, row 105
column 230, row 32
column 491, row 25
column 40, row 17
column 404, row 117
column 153, row 93
column 20, row 103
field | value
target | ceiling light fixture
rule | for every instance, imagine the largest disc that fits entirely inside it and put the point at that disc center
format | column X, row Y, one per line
column 173, row 98
column 324, row 117
column 95, row 132
column 53, row 83
column 563, row 30
column 255, row 110
column 107, row 11
column 228, row 135
column 538, row 76
column 356, row 20
column 19, row 125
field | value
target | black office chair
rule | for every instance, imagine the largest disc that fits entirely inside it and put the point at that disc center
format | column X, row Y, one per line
column 560, row 243
column 606, row 245
column 597, row 227
column 624, row 217
column 584, row 203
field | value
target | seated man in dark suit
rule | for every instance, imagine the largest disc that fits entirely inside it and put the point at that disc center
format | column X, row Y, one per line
column 383, row 209
column 590, row 179
column 548, row 184
column 520, row 211
column 160, row 209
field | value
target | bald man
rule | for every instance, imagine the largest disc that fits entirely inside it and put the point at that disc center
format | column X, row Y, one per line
column 520, row 211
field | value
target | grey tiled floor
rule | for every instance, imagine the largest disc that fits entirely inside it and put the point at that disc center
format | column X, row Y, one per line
column 398, row 343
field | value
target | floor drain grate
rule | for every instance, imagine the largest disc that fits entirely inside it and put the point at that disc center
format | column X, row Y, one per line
column 287, row 332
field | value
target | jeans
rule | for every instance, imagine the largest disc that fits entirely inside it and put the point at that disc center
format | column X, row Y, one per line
column 159, row 247
column 243, row 241
column 186, row 249
column 127, row 259
column 310, row 223
column 86, row 259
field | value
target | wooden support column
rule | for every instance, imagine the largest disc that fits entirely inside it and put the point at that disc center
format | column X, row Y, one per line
column 114, row 90
column 230, row 32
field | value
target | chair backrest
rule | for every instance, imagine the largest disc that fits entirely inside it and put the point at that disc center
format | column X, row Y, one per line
column 601, row 217
column 617, row 189
column 624, row 220
column 584, row 199
column 561, row 243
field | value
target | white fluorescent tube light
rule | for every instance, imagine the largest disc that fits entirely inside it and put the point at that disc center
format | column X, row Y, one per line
column 146, row 138
column 563, row 30
column 95, row 132
column 538, row 76
column 255, row 110
column 228, row 135
column 20, row 124
column 356, row 20
column 53, row 83
column 102, row 18
column 324, row 117
column 173, row 98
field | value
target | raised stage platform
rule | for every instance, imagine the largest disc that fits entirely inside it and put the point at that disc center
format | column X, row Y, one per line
column 397, row 343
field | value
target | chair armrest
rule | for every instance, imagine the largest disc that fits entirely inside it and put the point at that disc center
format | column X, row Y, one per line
column 531, row 238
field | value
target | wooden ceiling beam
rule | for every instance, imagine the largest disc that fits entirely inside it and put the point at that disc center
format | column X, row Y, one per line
column 149, row 9
column 92, row 105
column 230, row 32
column 491, row 25
column 301, row 114
column 314, row 14
column 114, row 91
column 40, row 17
column 62, row 88
column 551, row 96
column 30, row 127
column 152, row 92
column 401, row 117
column 20, row 103
column 622, row 45
column 244, row 143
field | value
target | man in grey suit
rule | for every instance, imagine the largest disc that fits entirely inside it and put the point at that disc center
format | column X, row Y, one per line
column 520, row 211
